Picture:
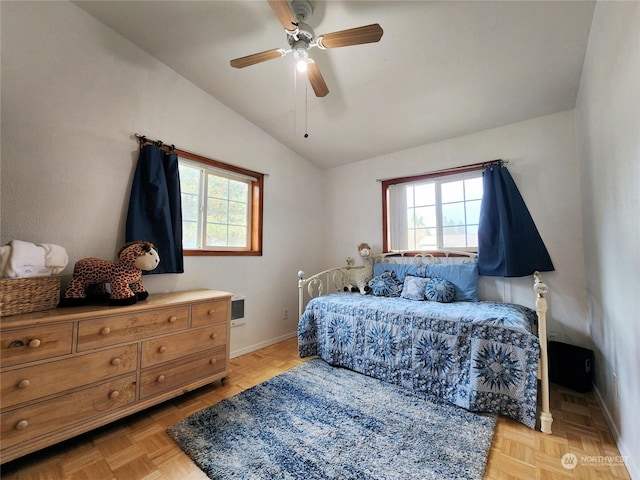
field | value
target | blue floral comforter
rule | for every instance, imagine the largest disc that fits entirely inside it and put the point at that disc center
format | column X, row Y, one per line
column 480, row 356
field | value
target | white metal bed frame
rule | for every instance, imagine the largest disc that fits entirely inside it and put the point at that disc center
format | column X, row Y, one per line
column 337, row 278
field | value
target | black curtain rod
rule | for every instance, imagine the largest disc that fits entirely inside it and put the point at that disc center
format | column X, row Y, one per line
column 447, row 171
column 143, row 140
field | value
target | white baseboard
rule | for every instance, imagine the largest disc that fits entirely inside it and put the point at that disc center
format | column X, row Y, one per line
column 258, row 346
column 630, row 459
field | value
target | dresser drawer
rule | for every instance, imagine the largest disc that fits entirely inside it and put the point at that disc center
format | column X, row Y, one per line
column 102, row 332
column 171, row 375
column 47, row 417
column 36, row 343
column 182, row 344
column 29, row 383
column 209, row 313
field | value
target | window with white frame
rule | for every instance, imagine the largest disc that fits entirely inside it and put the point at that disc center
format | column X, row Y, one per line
column 432, row 212
column 221, row 209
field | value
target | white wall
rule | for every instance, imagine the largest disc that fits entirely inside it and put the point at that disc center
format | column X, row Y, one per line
column 608, row 133
column 543, row 162
column 73, row 94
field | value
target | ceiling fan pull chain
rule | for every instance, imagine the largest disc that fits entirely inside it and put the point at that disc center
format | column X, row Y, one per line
column 306, row 108
column 295, row 96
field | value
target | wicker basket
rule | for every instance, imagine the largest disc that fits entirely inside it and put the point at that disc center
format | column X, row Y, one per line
column 24, row 295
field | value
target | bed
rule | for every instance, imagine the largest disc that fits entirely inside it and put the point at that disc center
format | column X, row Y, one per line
column 482, row 356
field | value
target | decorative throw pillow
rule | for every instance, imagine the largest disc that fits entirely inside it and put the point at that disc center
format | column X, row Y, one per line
column 440, row 290
column 422, row 270
column 400, row 269
column 414, row 287
column 463, row 276
column 385, row 285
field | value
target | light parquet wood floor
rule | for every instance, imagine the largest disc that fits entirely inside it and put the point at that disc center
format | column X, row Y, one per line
column 138, row 447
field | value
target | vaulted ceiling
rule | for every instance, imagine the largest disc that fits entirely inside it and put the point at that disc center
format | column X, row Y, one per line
column 440, row 70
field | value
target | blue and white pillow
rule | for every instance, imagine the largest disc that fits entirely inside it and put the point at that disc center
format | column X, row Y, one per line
column 440, row 290
column 414, row 287
column 422, row 270
column 463, row 276
column 385, row 285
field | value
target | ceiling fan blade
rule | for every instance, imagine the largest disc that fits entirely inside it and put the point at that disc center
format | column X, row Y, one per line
column 351, row 36
column 283, row 12
column 257, row 58
column 316, row 80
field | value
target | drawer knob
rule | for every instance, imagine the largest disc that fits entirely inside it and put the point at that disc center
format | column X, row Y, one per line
column 173, row 319
column 211, row 312
column 114, row 394
column 212, row 361
column 34, row 343
column 160, row 379
column 22, row 424
column 162, row 349
column 214, row 336
column 105, row 331
column 116, row 361
column 24, row 383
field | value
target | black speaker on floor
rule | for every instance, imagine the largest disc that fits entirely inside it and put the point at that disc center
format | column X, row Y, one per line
column 571, row 366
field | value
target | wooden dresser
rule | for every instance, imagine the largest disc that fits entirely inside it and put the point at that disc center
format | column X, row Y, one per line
column 69, row 370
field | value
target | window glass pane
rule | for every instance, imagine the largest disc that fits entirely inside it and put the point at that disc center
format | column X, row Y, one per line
column 189, row 233
column 218, row 187
column 411, row 213
column 473, row 188
column 237, row 236
column 237, row 213
column 453, row 214
column 216, row 234
column 426, row 238
column 227, row 212
column 452, row 191
column 217, row 211
column 411, row 242
column 220, row 211
column 189, row 179
column 190, row 207
column 472, row 235
column 425, row 194
column 473, row 211
column 440, row 213
column 238, row 191
column 425, row 217
column 454, row 237
column 190, row 195
column 410, row 192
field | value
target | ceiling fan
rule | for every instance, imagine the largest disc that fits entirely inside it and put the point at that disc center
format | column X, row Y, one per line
column 301, row 39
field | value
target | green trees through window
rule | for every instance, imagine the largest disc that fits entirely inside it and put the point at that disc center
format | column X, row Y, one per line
column 221, row 208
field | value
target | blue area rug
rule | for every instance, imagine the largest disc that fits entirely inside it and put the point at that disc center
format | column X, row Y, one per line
column 319, row 422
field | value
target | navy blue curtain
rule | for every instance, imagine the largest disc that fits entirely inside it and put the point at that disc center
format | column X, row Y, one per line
column 509, row 244
column 155, row 207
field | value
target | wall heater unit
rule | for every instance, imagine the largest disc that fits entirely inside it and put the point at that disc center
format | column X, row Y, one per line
column 237, row 311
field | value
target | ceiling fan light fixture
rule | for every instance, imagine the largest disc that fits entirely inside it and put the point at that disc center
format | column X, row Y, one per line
column 293, row 15
column 302, row 58
column 301, row 66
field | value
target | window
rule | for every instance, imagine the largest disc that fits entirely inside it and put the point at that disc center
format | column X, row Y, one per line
column 432, row 211
column 221, row 207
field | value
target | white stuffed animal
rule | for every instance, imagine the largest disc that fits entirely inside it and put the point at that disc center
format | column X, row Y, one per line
column 359, row 277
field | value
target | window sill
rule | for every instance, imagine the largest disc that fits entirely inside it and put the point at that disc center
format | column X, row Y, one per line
column 222, row 253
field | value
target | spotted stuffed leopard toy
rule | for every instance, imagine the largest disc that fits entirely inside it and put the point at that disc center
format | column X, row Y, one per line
column 124, row 276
